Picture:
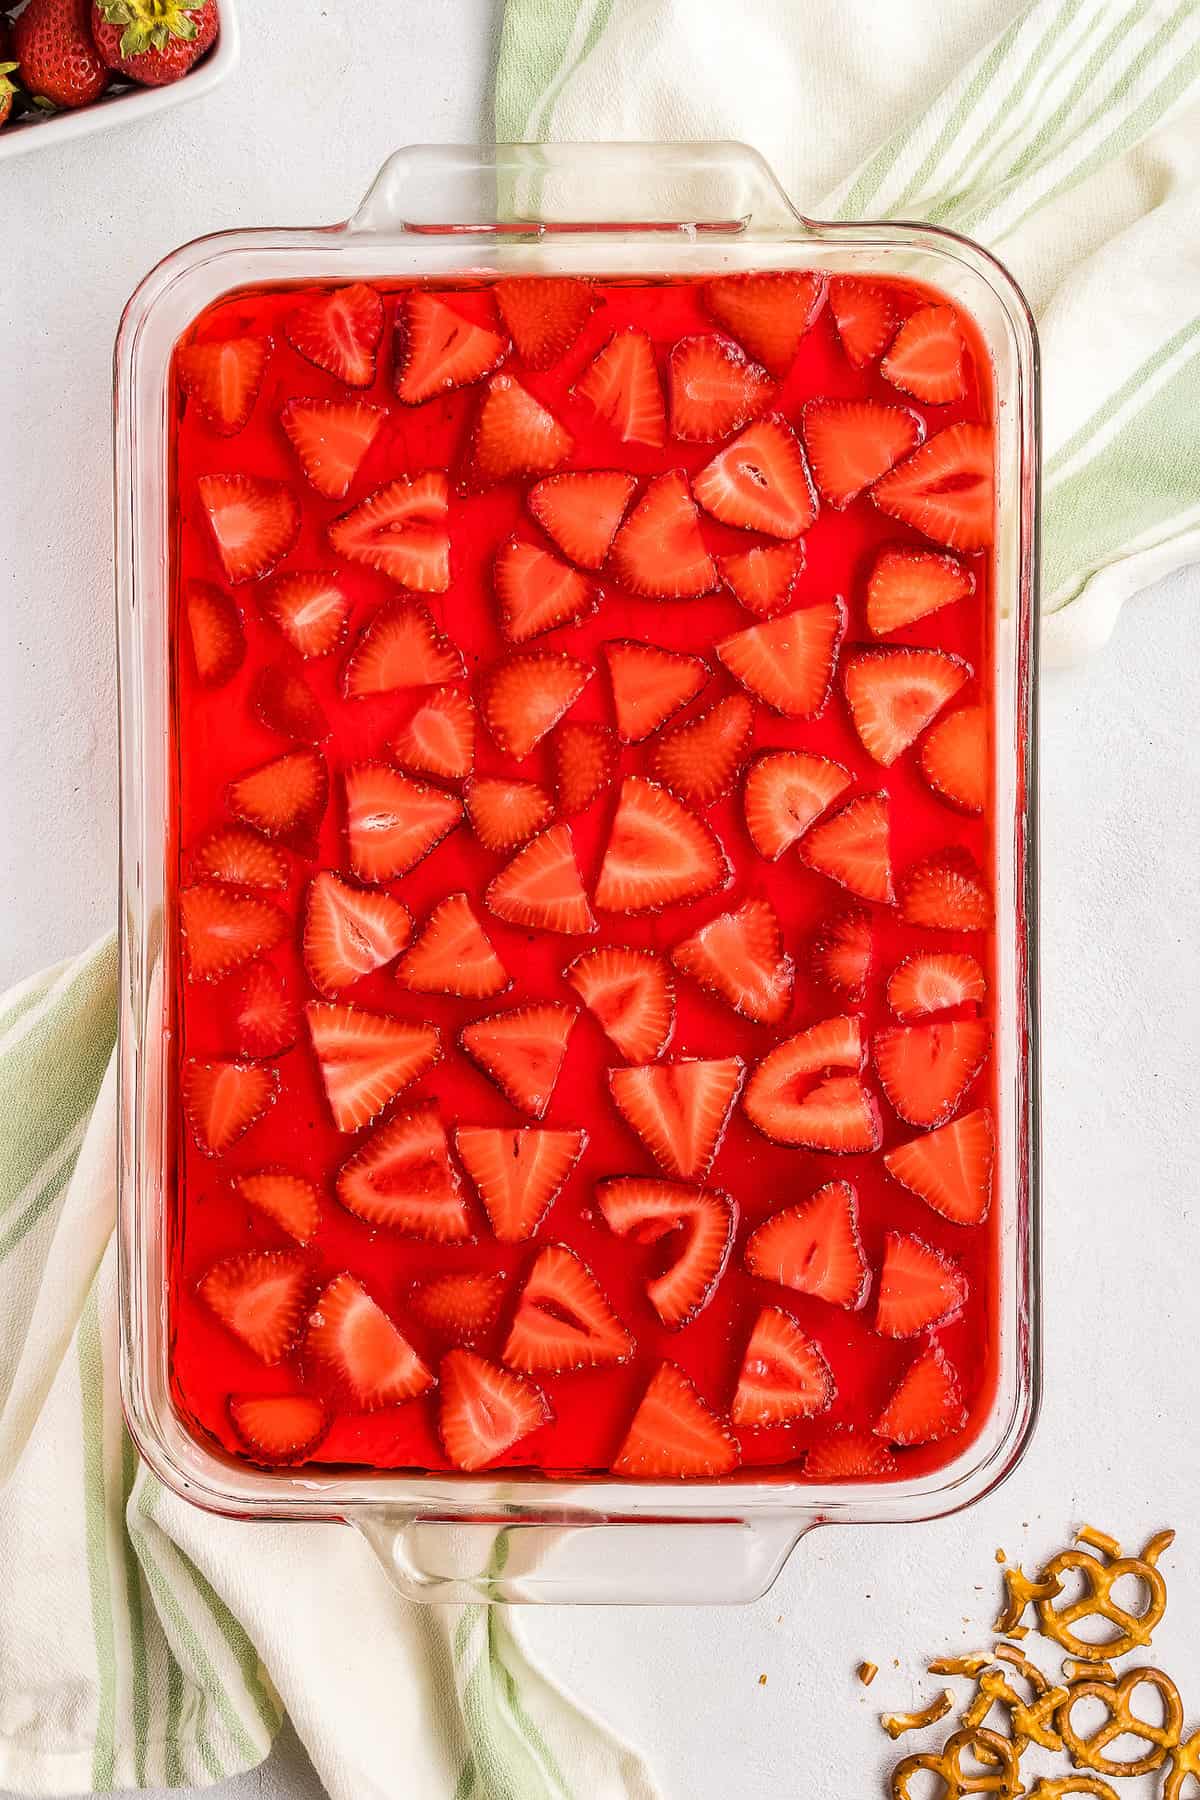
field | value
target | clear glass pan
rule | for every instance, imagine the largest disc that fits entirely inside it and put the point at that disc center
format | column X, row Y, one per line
column 679, row 210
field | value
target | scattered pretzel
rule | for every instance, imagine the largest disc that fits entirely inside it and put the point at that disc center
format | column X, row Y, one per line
column 1086, row 1669
column 1031, row 1723
column 972, row 1662
column 1131, row 1630
column 1002, row 1777
column 897, row 1723
column 1183, row 1761
column 1020, row 1591
column 1053, row 1787
column 1098, row 1540
column 1088, row 1752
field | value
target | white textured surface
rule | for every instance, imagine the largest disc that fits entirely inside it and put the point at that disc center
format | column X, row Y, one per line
column 295, row 137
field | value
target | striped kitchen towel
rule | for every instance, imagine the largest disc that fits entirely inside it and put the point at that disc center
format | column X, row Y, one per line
column 144, row 1643
column 1064, row 135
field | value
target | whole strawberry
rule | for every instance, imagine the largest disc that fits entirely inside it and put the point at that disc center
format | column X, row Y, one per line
column 58, row 60
column 153, row 41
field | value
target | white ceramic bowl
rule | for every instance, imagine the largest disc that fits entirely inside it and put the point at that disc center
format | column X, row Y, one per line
column 130, row 103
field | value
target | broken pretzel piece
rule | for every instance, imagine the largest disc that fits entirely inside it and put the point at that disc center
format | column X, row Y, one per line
column 897, row 1723
column 1002, row 1776
column 1020, row 1590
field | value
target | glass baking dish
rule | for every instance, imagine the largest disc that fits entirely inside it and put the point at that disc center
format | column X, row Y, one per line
column 681, row 211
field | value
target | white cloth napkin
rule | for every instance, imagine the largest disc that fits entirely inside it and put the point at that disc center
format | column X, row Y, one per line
column 1064, row 135
column 143, row 1642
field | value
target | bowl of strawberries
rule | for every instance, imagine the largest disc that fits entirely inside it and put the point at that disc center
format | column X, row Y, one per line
column 72, row 66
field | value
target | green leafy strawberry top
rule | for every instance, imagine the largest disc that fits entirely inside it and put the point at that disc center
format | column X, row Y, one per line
column 151, row 24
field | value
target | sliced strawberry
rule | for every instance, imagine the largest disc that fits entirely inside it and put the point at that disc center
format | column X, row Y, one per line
column 649, row 685
column 864, row 318
column 762, row 578
column 540, row 888
column 439, row 738
column 513, row 436
column 851, row 443
column 222, row 379
column 697, row 1224
column 311, row 610
column 658, row 853
column 947, row 489
column 263, row 1018
column 950, row 1168
column 367, row 1058
column 768, row 313
column 331, row 438
column 401, row 530
column 402, row 1178
column 622, row 385
column 221, row 931
column 926, row 356
column 814, row 1248
column 630, row 994
column 522, row 1051
column 485, row 1409
column 739, row 956
column 460, row 1307
column 393, row 821
column 285, row 703
column 714, row 389
column 789, row 661
column 505, row 813
column 946, row 892
column 794, row 1099
column 783, row 1376
column 581, row 511
column 524, row 697
column 284, row 798
column 585, row 758
column 851, row 847
column 843, row 1455
column 339, row 332
column 760, row 482
column 290, row 1201
column 563, row 1320
column 680, row 1110
column 544, row 315
column 350, row 931
column 926, row 1069
column 354, row 1338
column 278, row 1428
column 236, row 855
column 437, row 349
column 259, row 1295
column 254, row 523
column 786, row 790
column 215, row 630
column 452, row 955
column 934, row 981
column 700, row 760
column 519, row 1174
column 841, row 952
column 400, row 647
column 954, row 758
column 674, row 1434
column 536, row 591
column 222, row 1100
column 927, row 1404
column 894, row 694
column 659, row 552
column 918, row 1287
column 907, row 584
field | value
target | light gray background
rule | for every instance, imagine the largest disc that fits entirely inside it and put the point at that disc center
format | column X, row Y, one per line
column 323, row 93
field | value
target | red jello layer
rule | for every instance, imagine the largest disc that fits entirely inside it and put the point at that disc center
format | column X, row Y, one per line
column 218, row 738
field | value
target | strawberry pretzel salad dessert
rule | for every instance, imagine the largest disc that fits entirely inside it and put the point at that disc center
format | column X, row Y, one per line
column 581, row 926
